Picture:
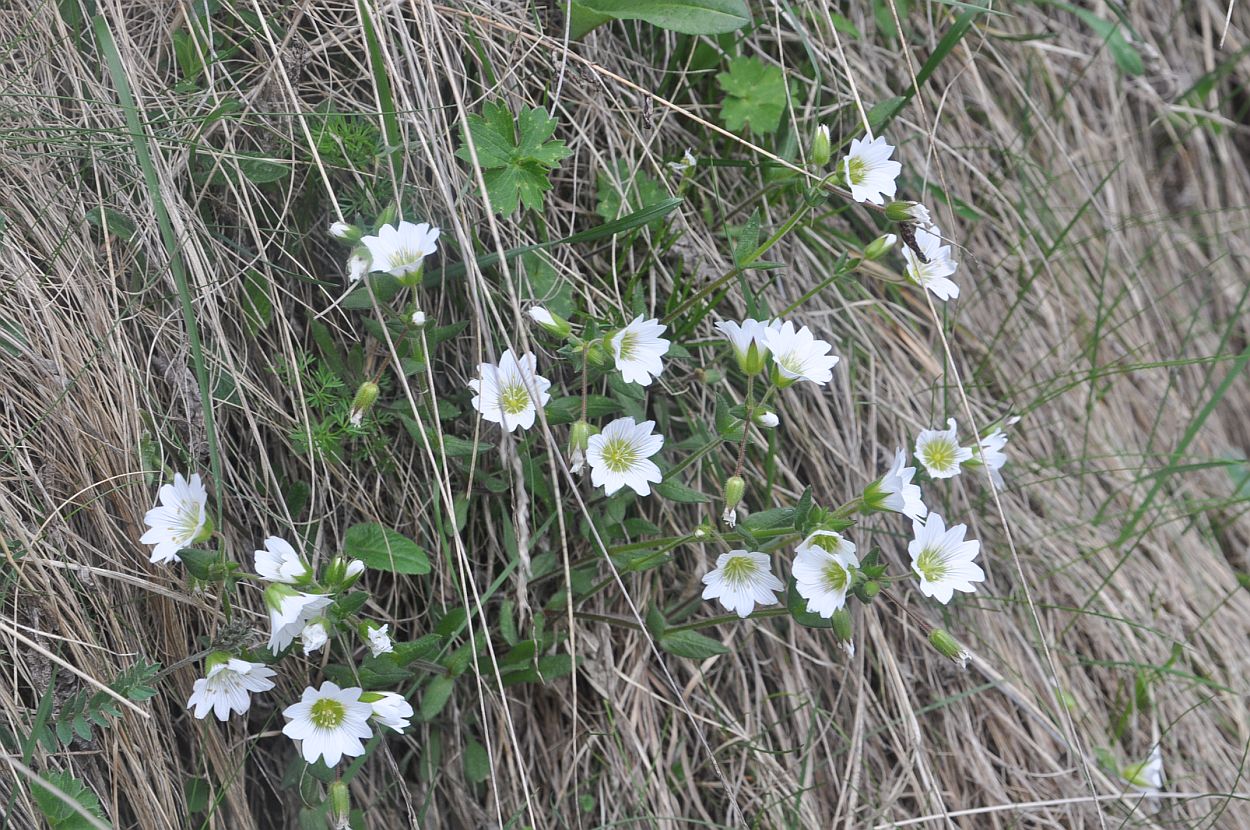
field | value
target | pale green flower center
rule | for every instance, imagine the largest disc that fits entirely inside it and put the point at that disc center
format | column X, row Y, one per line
column 514, row 399
column 328, row 713
column 856, row 170
column 931, row 565
column 188, row 522
column 619, row 455
column 792, row 361
column 940, row 454
column 627, row 345
column 827, row 542
column 835, row 577
column 406, row 257
column 740, row 569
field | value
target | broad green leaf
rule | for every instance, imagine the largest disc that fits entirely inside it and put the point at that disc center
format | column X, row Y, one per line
column 797, row 606
column 476, row 762
column 624, row 188
column 383, row 549
column 67, row 815
column 117, row 224
column 436, row 696
column 755, row 95
column 515, row 155
column 691, row 644
column 690, row 17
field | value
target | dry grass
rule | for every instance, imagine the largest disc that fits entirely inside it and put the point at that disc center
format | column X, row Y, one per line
column 1105, row 289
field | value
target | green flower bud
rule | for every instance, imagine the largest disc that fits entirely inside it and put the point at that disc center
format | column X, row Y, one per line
column 870, row 589
column 711, row 376
column 735, row 488
column 343, row 573
column 841, row 620
column 908, row 212
column 346, row 232
column 879, row 247
column 340, row 813
column 550, row 321
column 948, row 646
column 822, row 147
column 365, row 397
column 598, row 355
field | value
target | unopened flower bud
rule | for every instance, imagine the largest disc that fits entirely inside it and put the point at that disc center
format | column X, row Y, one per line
column 767, row 420
column 346, row 232
column 340, row 813
column 553, row 323
column 598, row 355
column 418, row 319
column 579, row 439
column 870, row 589
column 366, row 394
column 735, row 488
column 841, row 620
column 908, row 212
column 314, row 636
column 948, row 646
column 702, row 532
column 879, row 247
column 822, row 147
column 711, row 376
column 359, row 264
column 343, row 573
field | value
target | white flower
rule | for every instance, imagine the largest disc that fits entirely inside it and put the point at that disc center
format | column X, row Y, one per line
column 767, row 420
column 869, row 172
column 939, row 451
column 354, row 569
column 687, row 162
column 942, row 559
column 900, row 495
column 180, row 521
column 330, row 722
column 741, row 579
column 993, row 456
column 357, row 267
column 418, row 318
column 505, row 393
column 798, row 355
column 314, row 636
column 401, row 251
column 380, row 641
column 919, row 214
column 638, row 348
column 228, row 685
column 822, row 571
column 340, row 230
column 729, row 516
column 934, row 273
column 391, row 710
column 749, row 340
column 541, row 316
column 289, row 611
column 279, row 562
column 1147, row 777
column 621, row 455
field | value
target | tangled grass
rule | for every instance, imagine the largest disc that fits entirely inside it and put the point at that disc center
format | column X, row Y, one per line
column 1102, row 229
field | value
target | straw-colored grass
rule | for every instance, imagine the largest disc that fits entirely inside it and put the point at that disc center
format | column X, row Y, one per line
column 1103, row 269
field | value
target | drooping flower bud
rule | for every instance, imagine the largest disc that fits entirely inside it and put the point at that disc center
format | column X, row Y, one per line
column 842, row 632
column 340, row 799
column 902, row 211
column 550, row 321
column 766, row 420
column 346, row 231
column 579, row 440
column 359, row 264
column 366, row 395
column 418, row 319
column 879, row 247
column 822, row 147
column 735, row 488
column 948, row 646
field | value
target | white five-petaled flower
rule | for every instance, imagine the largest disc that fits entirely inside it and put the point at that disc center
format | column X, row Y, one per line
column 934, row 274
column 401, row 251
column 749, row 340
column 1147, row 777
column 740, row 580
column 380, row 640
column 687, row 162
column 943, row 560
column 314, row 636
column 181, row 520
column 279, row 562
column 823, row 573
column 289, row 612
column 227, row 686
column 939, row 451
column 621, row 456
column 798, row 355
column 390, row 710
column 869, row 172
column 993, row 456
column 638, row 348
column 898, row 493
column 330, row 722
column 505, row 393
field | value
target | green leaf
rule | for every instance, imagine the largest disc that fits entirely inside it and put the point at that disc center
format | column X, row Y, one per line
column 385, row 550
column 515, row 155
column 691, row 644
column 260, row 169
column 625, row 188
column 690, row 17
column 756, row 95
column 748, row 238
column 674, row 490
column 476, row 762
column 117, row 224
column 67, row 815
column 436, row 695
column 797, row 606
column 774, row 519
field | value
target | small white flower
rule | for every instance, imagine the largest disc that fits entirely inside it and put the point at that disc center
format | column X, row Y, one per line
column 729, row 517
column 227, row 687
column 823, row 566
column 869, row 172
column 993, row 455
column 380, row 641
column 749, row 340
column 180, row 521
column 418, row 318
column 279, row 562
column 933, row 274
column 919, row 214
column 1147, row 777
column 401, row 251
column 391, row 710
column 638, row 348
column 901, row 495
column 741, row 579
column 943, row 560
column 687, row 162
column 354, row 569
column 314, row 636
column 939, row 451
column 767, row 420
column 357, row 267
column 621, row 456
column 798, row 355
column 541, row 316
column 577, row 461
column 331, row 722
column 505, row 393
column 289, row 612
column 340, row 230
